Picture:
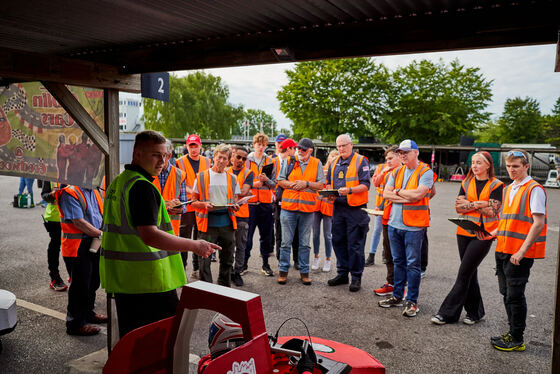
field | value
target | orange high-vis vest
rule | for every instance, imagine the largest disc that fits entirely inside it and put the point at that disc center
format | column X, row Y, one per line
column 379, row 189
column 171, row 191
column 262, row 194
column 469, row 186
column 184, row 164
column 414, row 214
column 516, row 221
column 387, row 205
column 306, row 199
column 324, row 205
column 71, row 235
column 203, row 183
column 243, row 211
column 352, row 180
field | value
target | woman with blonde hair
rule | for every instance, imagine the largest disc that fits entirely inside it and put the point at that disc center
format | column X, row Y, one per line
column 479, row 200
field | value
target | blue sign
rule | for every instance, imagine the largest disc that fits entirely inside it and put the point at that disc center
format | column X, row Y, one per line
column 155, row 86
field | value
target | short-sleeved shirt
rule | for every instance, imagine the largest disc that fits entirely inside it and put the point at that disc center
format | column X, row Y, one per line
column 72, row 209
column 396, row 220
column 303, row 165
column 217, row 191
column 146, row 213
column 537, row 201
column 339, row 179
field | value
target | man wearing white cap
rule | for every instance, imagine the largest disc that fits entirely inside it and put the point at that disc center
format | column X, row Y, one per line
column 408, row 189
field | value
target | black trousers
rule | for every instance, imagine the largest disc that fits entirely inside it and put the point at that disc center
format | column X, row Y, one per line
column 512, row 280
column 278, row 235
column 225, row 238
column 261, row 216
column 388, row 256
column 137, row 310
column 85, row 282
column 466, row 291
column 188, row 229
column 53, row 250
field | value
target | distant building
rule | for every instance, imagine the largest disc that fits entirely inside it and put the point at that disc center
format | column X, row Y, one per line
column 130, row 112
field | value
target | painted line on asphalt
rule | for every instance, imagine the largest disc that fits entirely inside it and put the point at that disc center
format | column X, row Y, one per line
column 49, row 312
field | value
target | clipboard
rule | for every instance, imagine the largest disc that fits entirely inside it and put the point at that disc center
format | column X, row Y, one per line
column 469, row 225
column 267, row 170
column 373, row 212
column 327, row 193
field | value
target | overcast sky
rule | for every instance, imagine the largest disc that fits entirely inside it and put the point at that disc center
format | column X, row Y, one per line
column 516, row 71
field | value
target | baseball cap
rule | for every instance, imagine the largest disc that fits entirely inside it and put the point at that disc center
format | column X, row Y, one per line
column 193, row 138
column 288, row 143
column 407, row 145
column 305, row 144
column 280, row 138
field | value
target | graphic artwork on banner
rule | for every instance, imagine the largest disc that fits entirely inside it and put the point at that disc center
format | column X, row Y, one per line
column 39, row 139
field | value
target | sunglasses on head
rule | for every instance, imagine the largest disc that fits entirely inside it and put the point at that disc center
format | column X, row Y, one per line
column 516, row 154
column 241, row 158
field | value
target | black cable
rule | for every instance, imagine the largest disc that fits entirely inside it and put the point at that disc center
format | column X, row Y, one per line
column 275, row 338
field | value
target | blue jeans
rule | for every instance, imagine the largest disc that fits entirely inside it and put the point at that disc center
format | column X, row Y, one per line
column 406, row 248
column 376, row 235
column 327, row 234
column 289, row 221
column 26, row 182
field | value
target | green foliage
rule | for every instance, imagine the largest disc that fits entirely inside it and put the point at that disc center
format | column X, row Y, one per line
column 197, row 104
column 255, row 117
column 521, row 122
column 435, row 103
column 327, row 98
column 552, row 125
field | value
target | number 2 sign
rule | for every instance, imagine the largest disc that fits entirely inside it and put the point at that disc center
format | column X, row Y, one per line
column 155, row 86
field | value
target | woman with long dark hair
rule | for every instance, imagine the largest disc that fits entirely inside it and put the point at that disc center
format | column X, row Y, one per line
column 479, row 200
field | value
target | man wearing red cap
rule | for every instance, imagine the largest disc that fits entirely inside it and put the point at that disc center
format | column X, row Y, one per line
column 192, row 163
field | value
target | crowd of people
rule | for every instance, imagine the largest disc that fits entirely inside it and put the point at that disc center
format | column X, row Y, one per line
column 135, row 243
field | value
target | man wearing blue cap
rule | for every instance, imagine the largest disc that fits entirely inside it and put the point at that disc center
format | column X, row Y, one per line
column 408, row 189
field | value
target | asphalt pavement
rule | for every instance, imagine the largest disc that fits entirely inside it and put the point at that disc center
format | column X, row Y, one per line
column 40, row 344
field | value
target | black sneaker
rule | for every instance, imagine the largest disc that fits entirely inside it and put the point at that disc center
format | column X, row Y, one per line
column 508, row 344
column 244, row 270
column 236, row 279
column 338, row 280
column 296, row 265
column 370, row 261
column 58, row 284
column 266, row 270
column 355, row 285
column 498, row 338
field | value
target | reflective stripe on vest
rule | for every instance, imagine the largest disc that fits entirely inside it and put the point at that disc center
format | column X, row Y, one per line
column 413, row 214
column 127, row 265
column 469, row 186
column 516, row 221
column 305, row 200
column 184, row 164
column 203, row 184
column 352, row 180
column 262, row 194
column 171, row 191
column 243, row 211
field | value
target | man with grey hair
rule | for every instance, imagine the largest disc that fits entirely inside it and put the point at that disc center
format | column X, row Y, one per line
column 215, row 192
column 349, row 174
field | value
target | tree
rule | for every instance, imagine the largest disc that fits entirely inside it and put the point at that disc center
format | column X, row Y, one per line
column 521, row 122
column 197, row 104
column 435, row 103
column 327, row 98
column 552, row 125
column 255, row 117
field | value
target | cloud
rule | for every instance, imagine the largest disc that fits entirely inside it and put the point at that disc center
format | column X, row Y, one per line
column 516, row 71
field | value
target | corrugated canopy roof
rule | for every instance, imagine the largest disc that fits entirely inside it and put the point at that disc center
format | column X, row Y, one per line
column 150, row 35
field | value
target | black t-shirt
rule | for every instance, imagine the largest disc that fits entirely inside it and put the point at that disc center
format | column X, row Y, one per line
column 194, row 164
column 144, row 200
column 494, row 195
column 248, row 177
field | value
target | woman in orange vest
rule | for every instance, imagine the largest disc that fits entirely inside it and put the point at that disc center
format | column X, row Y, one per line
column 324, row 212
column 479, row 200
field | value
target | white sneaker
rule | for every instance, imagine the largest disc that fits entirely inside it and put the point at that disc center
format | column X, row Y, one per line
column 327, row 266
column 315, row 264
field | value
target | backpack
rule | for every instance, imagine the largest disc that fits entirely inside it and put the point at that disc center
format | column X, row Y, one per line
column 23, row 201
column 280, row 190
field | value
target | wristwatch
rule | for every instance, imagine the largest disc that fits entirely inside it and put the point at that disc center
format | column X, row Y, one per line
column 306, row 184
column 350, row 191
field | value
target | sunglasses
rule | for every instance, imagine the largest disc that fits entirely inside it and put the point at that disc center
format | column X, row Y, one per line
column 241, row 158
column 516, row 154
column 302, row 149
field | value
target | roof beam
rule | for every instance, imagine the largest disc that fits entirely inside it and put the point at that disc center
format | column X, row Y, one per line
column 24, row 67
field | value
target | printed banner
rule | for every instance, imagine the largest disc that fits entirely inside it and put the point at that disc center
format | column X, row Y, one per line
column 38, row 139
